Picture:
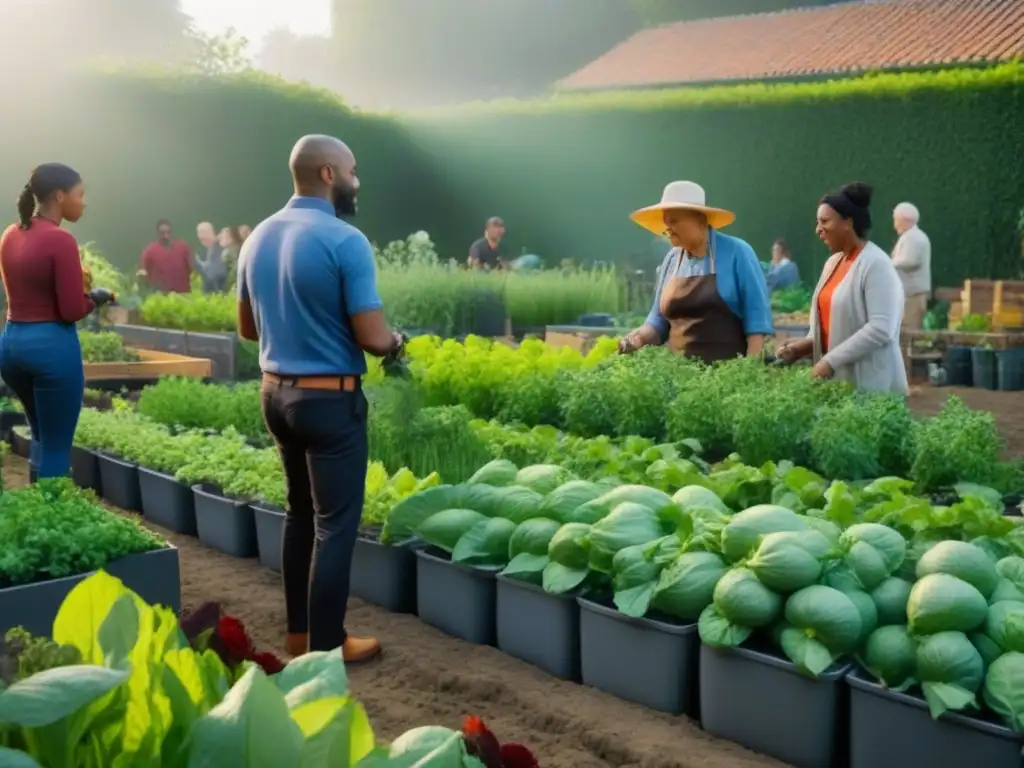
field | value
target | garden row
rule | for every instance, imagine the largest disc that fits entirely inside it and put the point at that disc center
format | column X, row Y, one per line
column 763, row 413
column 746, row 589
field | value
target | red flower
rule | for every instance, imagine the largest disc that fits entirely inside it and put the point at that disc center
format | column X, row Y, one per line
column 268, row 662
column 484, row 745
column 236, row 641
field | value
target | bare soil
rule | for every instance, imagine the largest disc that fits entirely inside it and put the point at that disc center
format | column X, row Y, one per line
column 426, row 677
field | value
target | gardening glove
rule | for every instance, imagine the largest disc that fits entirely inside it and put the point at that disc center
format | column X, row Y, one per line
column 101, row 296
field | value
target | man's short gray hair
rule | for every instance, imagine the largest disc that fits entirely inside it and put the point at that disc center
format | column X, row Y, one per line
column 908, row 212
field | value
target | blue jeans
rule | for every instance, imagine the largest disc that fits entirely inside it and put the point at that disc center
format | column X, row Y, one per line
column 42, row 364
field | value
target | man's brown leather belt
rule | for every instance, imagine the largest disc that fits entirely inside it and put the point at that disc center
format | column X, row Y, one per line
column 331, row 383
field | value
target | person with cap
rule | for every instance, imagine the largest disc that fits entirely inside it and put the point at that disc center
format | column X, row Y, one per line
column 48, row 290
column 307, row 292
column 486, row 253
column 711, row 300
column 857, row 306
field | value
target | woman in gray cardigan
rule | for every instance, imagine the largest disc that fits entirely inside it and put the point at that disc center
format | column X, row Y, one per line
column 857, row 307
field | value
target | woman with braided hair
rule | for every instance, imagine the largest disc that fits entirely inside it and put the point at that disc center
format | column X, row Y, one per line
column 45, row 283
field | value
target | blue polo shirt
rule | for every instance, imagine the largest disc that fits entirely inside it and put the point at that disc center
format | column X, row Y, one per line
column 740, row 281
column 305, row 273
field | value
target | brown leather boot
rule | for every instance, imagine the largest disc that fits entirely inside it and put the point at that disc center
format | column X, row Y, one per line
column 296, row 644
column 359, row 649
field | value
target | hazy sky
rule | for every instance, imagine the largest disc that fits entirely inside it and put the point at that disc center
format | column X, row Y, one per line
column 254, row 18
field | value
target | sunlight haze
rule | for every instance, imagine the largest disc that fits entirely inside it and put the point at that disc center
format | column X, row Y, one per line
column 254, row 18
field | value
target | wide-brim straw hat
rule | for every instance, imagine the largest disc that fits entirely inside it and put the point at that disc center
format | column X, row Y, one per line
column 685, row 196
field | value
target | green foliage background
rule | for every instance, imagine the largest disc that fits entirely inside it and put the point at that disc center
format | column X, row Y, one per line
column 565, row 172
column 193, row 148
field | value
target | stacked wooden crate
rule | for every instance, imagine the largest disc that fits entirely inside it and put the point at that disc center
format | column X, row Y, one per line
column 1002, row 301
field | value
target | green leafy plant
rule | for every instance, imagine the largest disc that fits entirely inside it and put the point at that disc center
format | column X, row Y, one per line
column 105, row 347
column 52, row 529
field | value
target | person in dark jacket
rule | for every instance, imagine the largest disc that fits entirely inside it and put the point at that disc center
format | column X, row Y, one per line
column 43, row 276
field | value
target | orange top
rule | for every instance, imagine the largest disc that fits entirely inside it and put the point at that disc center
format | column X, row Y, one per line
column 825, row 296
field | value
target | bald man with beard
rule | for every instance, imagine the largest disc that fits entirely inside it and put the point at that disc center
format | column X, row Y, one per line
column 307, row 291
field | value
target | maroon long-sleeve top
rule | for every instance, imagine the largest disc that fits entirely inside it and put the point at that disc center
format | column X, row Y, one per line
column 42, row 274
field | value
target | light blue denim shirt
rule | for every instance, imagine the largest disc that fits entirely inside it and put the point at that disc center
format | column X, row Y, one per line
column 740, row 280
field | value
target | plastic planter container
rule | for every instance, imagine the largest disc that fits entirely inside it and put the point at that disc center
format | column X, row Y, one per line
column 646, row 661
column 167, row 502
column 765, row 704
column 154, row 576
column 983, row 363
column 8, row 421
column 21, row 445
column 538, row 627
column 457, row 599
column 269, row 521
column 1010, row 369
column 385, row 574
column 85, row 469
column 895, row 730
column 959, row 367
column 224, row 524
column 120, row 482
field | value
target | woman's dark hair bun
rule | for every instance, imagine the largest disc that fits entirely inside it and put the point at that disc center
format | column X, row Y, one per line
column 859, row 193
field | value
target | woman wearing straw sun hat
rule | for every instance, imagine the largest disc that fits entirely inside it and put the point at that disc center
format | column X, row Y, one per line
column 711, row 300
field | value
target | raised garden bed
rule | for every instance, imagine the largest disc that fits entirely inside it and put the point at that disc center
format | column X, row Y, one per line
column 538, row 627
column 269, row 521
column 647, row 661
column 457, row 599
column 167, row 502
column 151, row 366
column 8, row 421
column 385, row 574
column 766, row 704
column 893, row 730
column 224, row 524
column 154, row 576
column 120, row 482
column 218, row 349
column 21, row 442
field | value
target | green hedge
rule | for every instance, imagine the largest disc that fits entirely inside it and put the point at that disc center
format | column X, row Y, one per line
column 194, row 149
column 565, row 172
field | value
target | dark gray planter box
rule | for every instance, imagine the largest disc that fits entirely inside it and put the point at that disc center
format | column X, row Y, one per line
column 765, row 704
column 147, row 337
column 457, row 599
column 154, row 576
column 225, row 524
column 895, row 730
column 385, row 574
column 269, row 522
column 21, row 445
column 647, row 661
column 538, row 627
column 120, row 482
column 85, row 469
column 8, row 421
column 218, row 348
column 167, row 502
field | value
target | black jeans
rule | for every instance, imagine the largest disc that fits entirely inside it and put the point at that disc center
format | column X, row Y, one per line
column 321, row 436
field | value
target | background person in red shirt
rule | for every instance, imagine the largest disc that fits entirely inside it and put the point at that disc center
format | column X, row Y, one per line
column 40, row 357
column 166, row 264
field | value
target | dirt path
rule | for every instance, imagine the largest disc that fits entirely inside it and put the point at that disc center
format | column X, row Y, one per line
column 429, row 678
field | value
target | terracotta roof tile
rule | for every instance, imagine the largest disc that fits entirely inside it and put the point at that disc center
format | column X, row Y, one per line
column 845, row 38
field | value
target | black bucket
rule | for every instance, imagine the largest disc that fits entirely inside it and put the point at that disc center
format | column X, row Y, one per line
column 984, row 368
column 1010, row 367
column 959, row 367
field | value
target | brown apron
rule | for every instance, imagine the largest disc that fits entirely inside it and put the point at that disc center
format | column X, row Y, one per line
column 701, row 324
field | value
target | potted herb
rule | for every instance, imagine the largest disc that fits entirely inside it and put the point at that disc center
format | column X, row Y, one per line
column 54, row 535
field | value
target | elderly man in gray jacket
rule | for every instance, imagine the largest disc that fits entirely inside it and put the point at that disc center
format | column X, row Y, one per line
column 912, row 257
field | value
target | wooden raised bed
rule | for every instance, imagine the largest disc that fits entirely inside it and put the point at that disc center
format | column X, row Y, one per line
column 152, row 365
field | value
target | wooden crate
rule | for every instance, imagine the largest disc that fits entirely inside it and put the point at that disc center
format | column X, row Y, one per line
column 1002, row 301
column 152, row 364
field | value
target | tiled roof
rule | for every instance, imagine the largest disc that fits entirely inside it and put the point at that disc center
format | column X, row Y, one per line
column 846, row 38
